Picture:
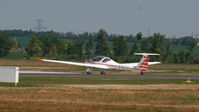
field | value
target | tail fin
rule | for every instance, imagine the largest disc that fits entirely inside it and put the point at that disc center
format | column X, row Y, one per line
column 144, row 62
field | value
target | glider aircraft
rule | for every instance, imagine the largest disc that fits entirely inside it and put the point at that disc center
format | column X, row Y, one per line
column 104, row 63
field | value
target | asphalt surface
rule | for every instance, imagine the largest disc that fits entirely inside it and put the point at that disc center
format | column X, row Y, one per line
column 109, row 76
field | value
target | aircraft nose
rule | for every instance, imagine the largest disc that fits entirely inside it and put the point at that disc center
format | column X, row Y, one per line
column 39, row 59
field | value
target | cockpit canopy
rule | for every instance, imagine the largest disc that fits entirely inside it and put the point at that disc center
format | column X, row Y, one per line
column 101, row 58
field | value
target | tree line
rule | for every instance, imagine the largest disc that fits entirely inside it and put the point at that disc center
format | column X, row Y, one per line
column 72, row 46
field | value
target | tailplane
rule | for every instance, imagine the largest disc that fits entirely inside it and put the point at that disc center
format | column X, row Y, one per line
column 144, row 63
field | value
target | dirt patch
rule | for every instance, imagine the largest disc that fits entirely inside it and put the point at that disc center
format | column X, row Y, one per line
column 94, row 103
column 139, row 87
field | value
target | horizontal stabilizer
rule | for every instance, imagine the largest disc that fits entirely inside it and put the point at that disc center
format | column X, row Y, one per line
column 153, row 63
column 146, row 54
column 144, row 62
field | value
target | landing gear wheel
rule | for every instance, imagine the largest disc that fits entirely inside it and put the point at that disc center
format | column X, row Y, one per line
column 89, row 71
column 103, row 72
column 142, row 73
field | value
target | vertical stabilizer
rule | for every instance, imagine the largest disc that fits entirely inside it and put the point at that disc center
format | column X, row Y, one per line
column 143, row 65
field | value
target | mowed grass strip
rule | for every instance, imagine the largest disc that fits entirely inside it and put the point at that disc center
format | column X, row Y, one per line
column 175, row 69
column 46, row 81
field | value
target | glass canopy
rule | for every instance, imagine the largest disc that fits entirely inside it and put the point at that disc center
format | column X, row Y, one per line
column 101, row 58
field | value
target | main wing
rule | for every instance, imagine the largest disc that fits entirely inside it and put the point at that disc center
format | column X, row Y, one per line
column 75, row 63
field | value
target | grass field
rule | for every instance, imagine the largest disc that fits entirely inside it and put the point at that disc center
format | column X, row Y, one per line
column 61, row 99
column 99, row 94
column 65, row 94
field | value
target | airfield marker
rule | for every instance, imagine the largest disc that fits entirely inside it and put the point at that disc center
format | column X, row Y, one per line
column 188, row 80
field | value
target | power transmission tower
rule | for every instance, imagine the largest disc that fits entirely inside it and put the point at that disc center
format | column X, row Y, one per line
column 148, row 32
column 39, row 26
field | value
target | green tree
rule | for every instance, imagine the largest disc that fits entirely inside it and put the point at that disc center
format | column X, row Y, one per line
column 58, row 43
column 166, row 52
column 102, row 47
column 15, row 45
column 156, row 41
column 78, row 46
column 181, row 57
column 34, row 47
column 5, row 44
column 141, row 43
column 52, row 46
column 68, row 50
column 67, row 47
column 119, row 46
column 144, row 45
column 54, row 50
column 189, row 56
column 134, row 49
column 16, row 49
column 89, row 48
column 139, row 36
column 46, row 45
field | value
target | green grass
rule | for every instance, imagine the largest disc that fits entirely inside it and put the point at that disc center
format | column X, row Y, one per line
column 46, row 81
column 33, row 94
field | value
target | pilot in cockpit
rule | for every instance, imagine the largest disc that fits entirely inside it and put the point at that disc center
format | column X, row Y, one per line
column 106, row 60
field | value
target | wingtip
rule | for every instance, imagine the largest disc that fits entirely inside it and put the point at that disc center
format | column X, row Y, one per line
column 39, row 59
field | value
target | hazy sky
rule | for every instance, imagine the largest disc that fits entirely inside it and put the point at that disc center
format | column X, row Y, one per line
column 170, row 17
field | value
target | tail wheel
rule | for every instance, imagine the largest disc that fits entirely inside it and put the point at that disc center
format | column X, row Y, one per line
column 142, row 73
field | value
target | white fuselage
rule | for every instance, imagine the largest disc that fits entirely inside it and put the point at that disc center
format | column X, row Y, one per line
column 110, row 64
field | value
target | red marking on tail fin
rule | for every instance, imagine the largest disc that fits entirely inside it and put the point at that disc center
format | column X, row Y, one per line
column 145, row 70
column 144, row 65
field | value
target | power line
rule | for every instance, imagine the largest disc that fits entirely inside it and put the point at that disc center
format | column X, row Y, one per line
column 148, row 32
column 39, row 26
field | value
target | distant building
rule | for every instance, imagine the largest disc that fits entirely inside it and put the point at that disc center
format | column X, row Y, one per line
column 197, row 44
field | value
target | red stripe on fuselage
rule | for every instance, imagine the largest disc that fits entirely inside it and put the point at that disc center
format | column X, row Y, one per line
column 144, row 69
column 144, row 64
column 111, row 65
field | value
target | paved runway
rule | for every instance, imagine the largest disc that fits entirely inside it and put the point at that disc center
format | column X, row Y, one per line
column 108, row 76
